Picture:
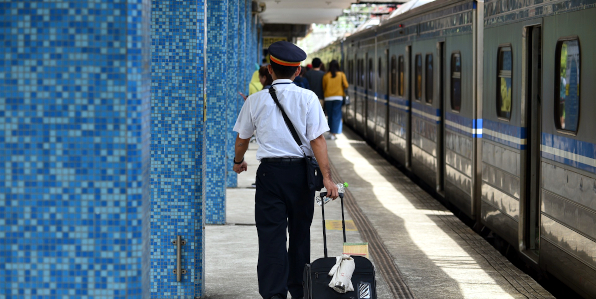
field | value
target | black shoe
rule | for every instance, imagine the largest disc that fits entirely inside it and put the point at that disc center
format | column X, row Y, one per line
column 277, row 297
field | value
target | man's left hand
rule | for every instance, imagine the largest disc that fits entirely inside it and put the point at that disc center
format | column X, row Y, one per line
column 238, row 168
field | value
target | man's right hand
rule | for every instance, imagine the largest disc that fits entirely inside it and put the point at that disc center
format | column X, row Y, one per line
column 238, row 168
column 331, row 188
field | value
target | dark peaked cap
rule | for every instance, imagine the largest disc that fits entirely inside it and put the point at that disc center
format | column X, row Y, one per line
column 286, row 54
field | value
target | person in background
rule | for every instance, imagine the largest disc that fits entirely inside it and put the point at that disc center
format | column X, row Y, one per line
column 255, row 84
column 301, row 81
column 265, row 77
column 334, row 86
column 315, row 80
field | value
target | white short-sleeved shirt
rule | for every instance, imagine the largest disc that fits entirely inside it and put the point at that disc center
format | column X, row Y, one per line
column 275, row 140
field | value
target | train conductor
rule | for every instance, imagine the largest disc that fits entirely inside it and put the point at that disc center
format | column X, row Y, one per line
column 283, row 199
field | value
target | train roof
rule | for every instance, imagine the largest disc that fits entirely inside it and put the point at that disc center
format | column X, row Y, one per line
column 411, row 11
column 409, row 6
column 417, row 10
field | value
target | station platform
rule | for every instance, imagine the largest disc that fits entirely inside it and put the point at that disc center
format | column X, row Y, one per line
column 419, row 248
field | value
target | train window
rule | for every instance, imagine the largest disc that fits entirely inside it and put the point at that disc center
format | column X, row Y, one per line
column 418, row 76
column 359, row 72
column 505, row 65
column 428, row 83
column 455, row 81
column 362, row 72
column 371, row 73
column 400, row 69
column 567, row 83
column 379, row 69
column 393, row 78
column 350, row 71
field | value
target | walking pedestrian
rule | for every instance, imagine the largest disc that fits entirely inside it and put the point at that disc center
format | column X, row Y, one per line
column 301, row 81
column 334, row 86
column 315, row 80
column 283, row 201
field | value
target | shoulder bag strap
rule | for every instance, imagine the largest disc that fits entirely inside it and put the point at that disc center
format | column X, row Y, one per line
column 286, row 119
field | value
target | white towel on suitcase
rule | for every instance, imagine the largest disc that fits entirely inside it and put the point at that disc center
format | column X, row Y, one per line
column 342, row 274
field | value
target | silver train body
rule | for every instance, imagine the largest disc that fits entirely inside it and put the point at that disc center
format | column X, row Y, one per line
column 492, row 104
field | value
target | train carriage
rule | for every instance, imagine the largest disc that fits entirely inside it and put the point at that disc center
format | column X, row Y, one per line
column 432, row 47
column 490, row 103
column 538, row 187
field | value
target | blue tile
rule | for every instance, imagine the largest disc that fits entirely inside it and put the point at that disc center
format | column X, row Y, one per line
column 217, row 105
column 233, row 87
column 74, row 130
column 178, row 147
column 103, row 144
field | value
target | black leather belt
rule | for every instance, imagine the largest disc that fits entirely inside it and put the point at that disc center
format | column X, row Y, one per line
column 283, row 160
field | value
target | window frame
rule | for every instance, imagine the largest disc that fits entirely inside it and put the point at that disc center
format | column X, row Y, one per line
column 451, row 77
column 498, row 85
column 426, row 98
column 418, row 89
column 557, row 79
column 393, row 76
column 401, row 74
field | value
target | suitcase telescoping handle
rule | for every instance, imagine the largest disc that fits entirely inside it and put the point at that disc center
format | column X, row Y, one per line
column 343, row 221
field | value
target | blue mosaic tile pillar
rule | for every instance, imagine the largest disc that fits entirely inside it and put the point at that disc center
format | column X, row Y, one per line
column 217, row 105
column 260, row 42
column 250, row 50
column 232, row 92
column 178, row 145
column 242, row 60
column 74, row 156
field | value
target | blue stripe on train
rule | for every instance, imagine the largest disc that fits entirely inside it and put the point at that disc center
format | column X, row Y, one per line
column 569, row 151
column 399, row 101
column 505, row 134
column 463, row 125
column 427, row 110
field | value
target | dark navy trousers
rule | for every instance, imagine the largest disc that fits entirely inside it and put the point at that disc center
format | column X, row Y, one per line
column 283, row 202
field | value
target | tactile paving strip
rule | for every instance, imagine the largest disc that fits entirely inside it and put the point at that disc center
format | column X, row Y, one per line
column 384, row 262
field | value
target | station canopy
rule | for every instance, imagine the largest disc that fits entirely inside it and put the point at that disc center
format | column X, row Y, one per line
column 303, row 11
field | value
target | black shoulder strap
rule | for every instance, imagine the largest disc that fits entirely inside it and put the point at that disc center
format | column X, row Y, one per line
column 286, row 119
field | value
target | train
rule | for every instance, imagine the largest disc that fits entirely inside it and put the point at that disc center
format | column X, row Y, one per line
column 488, row 103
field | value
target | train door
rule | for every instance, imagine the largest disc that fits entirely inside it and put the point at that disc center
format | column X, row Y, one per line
column 371, row 97
column 410, row 98
column 365, row 110
column 530, row 230
column 439, row 87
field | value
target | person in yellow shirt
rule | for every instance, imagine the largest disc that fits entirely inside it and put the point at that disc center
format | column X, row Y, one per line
column 334, row 86
column 255, row 84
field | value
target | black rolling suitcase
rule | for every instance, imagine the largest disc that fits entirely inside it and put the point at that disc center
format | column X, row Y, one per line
column 316, row 279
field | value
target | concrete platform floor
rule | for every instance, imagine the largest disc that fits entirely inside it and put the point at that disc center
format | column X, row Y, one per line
column 438, row 256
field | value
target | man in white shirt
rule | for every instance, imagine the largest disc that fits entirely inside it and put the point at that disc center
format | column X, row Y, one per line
column 283, row 199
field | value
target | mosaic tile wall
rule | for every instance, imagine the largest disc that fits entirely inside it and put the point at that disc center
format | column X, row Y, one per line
column 74, row 94
column 232, row 92
column 178, row 158
column 103, row 143
column 217, row 105
column 242, row 57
